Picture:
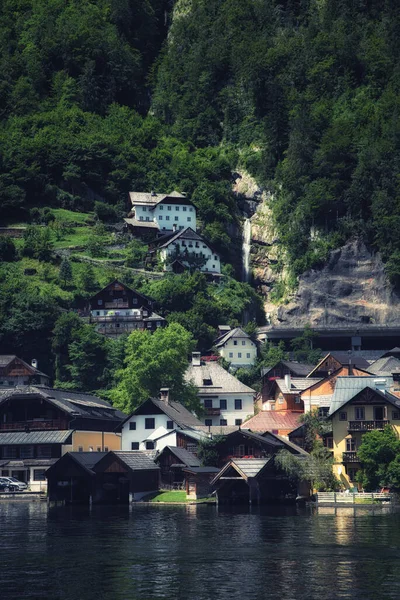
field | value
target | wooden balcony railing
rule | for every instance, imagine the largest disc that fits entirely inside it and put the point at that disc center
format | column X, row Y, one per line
column 213, row 412
column 34, row 425
column 349, row 457
column 367, row 425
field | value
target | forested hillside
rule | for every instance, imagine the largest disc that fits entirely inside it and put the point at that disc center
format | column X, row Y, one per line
column 101, row 97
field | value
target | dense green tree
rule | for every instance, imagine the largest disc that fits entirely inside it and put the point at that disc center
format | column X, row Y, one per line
column 379, row 457
column 8, row 252
column 152, row 361
column 65, row 273
column 88, row 355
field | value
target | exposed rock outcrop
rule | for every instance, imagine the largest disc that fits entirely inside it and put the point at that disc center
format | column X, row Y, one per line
column 351, row 289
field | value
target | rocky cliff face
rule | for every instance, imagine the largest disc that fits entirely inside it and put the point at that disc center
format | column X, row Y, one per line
column 351, row 289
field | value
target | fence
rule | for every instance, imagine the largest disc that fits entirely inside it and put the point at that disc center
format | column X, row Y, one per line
column 348, row 498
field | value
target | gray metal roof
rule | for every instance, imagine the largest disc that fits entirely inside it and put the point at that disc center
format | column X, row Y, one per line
column 299, row 369
column 348, row 387
column 250, row 466
column 385, row 366
column 136, row 460
column 237, row 332
column 296, row 384
column 201, row 469
column 187, row 458
column 222, row 382
column 35, row 437
column 87, row 459
column 73, row 403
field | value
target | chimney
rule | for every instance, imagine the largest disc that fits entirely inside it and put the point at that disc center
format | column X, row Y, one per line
column 164, row 395
column 34, row 363
column 380, row 384
column 288, row 381
column 153, row 193
column 196, row 359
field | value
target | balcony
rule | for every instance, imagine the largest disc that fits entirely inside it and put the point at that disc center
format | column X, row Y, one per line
column 213, row 412
column 350, row 457
column 48, row 424
column 366, row 425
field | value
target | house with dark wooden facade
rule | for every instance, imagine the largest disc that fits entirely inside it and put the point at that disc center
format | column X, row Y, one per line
column 102, row 478
column 39, row 424
column 172, row 462
column 117, row 309
column 15, row 371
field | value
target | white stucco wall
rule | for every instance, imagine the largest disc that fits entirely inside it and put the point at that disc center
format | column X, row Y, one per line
column 167, row 215
column 213, row 264
column 241, row 354
column 141, row 433
column 230, row 414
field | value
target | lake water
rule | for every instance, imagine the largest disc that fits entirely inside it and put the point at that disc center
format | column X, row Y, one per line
column 197, row 552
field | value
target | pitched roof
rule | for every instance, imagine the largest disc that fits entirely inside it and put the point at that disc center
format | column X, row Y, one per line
column 222, row 382
column 73, row 403
column 174, row 410
column 237, row 332
column 299, row 369
column 393, row 352
column 186, row 234
column 289, row 444
column 6, row 359
column 135, row 223
column 344, row 358
column 35, row 437
column 152, row 198
column 296, row 385
column 246, row 467
column 348, row 387
column 136, row 460
column 385, row 366
column 86, row 459
column 184, row 456
column 270, row 420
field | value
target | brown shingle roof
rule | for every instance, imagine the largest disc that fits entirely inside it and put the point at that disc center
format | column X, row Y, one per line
column 270, row 420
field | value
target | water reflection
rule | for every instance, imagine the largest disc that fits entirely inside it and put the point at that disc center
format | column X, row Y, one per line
column 197, row 552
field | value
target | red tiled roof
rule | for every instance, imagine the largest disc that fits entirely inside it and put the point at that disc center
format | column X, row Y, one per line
column 270, row 420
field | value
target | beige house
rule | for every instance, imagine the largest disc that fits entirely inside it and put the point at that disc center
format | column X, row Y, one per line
column 237, row 348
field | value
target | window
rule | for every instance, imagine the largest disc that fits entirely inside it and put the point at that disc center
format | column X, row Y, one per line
column 149, row 445
column 297, row 400
column 204, row 246
column 351, row 472
column 238, row 422
column 184, row 208
column 208, row 403
column 80, row 448
column 177, row 208
column 26, row 452
column 100, row 302
column 222, row 404
column 149, row 423
column 197, row 244
column 160, row 218
column 239, row 355
column 230, row 354
column 141, row 218
column 39, row 475
column 44, row 451
column 359, row 413
column 105, row 448
column 280, row 400
column 167, row 218
column 132, row 426
column 98, row 448
column 176, row 218
column 169, row 207
column 208, row 422
column 161, row 207
column 223, row 422
column 191, row 208
column 329, row 442
column 273, row 406
column 323, row 411
column 213, row 266
column 134, row 445
column 343, row 416
column 248, row 355
column 170, row 424
column 350, row 445
column 238, row 404
column 189, row 219
column 235, row 342
column 243, row 342
column 215, row 257
column 9, row 452
column 395, row 415
column 144, row 208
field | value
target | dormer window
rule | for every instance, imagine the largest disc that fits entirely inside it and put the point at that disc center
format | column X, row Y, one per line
column 207, row 382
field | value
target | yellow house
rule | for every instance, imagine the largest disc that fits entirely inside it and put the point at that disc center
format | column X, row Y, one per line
column 359, row 405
